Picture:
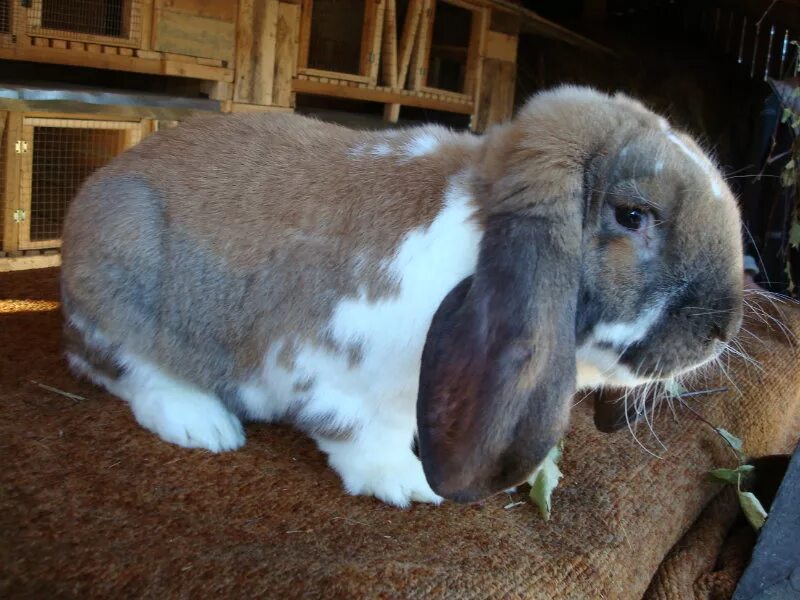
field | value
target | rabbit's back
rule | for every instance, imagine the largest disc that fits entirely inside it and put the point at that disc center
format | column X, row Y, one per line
column 206, row 243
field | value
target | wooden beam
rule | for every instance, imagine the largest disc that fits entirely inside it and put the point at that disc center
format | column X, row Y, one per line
column 475, row 57
column 255, row 51
column 13, row 131
column 115, row 62
column 306, row 9
column 372, row 34
column 385, row 96
column 501, row 46
column 389, row 51
column 422, row 46
column 391, row 113
column 407, row 39
column 286, row 42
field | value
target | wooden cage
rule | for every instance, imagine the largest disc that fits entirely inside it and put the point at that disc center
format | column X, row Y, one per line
column 45, row 159
column 456, row 56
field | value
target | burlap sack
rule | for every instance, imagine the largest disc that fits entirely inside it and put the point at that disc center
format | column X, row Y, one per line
column 91, row 505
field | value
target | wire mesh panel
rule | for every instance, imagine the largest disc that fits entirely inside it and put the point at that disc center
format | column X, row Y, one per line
column 5, row 16
column 78, row 19
column 6, row 24
column 3, row 158
column 63, row 154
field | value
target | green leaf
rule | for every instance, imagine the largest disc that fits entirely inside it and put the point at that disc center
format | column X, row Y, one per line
column 545, row 479
column 752, row 509
column 732, row 475
column 787, row 114
column 733, row 441
column 794, row 234
column 789, row 165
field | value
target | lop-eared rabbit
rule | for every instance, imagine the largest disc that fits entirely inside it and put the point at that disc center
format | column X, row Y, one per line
column 376, row 287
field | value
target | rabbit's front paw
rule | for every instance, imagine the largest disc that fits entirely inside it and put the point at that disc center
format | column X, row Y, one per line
column 396, row 477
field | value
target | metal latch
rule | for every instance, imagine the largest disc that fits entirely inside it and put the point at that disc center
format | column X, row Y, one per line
column 19, row 215
column 21, row 147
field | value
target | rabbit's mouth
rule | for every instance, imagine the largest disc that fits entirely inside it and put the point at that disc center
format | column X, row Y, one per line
column 601, row 365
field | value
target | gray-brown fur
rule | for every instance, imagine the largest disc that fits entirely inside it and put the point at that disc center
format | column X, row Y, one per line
column 230, row 233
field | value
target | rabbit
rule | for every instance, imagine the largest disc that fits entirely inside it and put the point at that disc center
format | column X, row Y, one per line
column 422, row 302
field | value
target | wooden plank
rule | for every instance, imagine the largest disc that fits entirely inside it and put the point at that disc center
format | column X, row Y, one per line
column 181, row 33
column 242, row 107
column 25, row 187
column 287, row 36
column 422, row 46
column 41, row 42
column 306, row 8
column 382, row 95
column 146, row 24
column 24, row 263
column 126, row 51
column 255, row 51
column 476, row 51
column 116, row 62
column 109, row 49
column 501, row 46
column 495, row 103
column 210, row 62
column 224, row 10
column 94, row 48
column 80, row 46
column 149, row 54
column 409, row 35
column 391, row 113
column 195, row 71
column 389, row 50
column 12, row 122
column 372, row 34
column 334, row 75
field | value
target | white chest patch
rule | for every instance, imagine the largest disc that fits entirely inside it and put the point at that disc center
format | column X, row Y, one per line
column 390, row 333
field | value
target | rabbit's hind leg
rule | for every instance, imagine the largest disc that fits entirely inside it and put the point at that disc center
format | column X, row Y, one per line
column 175, row 410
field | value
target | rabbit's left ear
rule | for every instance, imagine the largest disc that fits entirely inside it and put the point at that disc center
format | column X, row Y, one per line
column 498, row 368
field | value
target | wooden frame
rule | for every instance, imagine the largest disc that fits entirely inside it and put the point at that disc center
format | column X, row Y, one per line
column 370, row 52
column 13, row 132
column 130, row 38
column 132, row 132
column 475, row 49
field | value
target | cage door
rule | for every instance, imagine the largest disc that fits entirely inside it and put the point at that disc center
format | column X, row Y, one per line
column 103, row 21
column 61, row 154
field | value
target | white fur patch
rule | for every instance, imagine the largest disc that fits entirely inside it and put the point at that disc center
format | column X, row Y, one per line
column 624, row 333
column 421, row 144
column 598, row 366
column 700, row 161
column 376, row 397
column 175, row 410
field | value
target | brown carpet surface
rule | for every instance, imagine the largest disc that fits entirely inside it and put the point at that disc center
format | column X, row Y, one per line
column 92, row 505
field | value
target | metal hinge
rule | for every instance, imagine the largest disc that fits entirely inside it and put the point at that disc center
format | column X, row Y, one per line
column 19, row 215
column 21, row 147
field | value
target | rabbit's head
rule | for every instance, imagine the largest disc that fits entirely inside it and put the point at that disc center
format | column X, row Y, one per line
column 611, row 254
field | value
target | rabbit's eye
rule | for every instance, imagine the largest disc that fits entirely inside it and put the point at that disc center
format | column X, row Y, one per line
column 630, row 217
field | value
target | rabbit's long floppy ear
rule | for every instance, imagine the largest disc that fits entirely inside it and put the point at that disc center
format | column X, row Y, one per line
column 498, row 367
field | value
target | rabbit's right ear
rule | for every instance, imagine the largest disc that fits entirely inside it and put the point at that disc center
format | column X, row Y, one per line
column 498, row 367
